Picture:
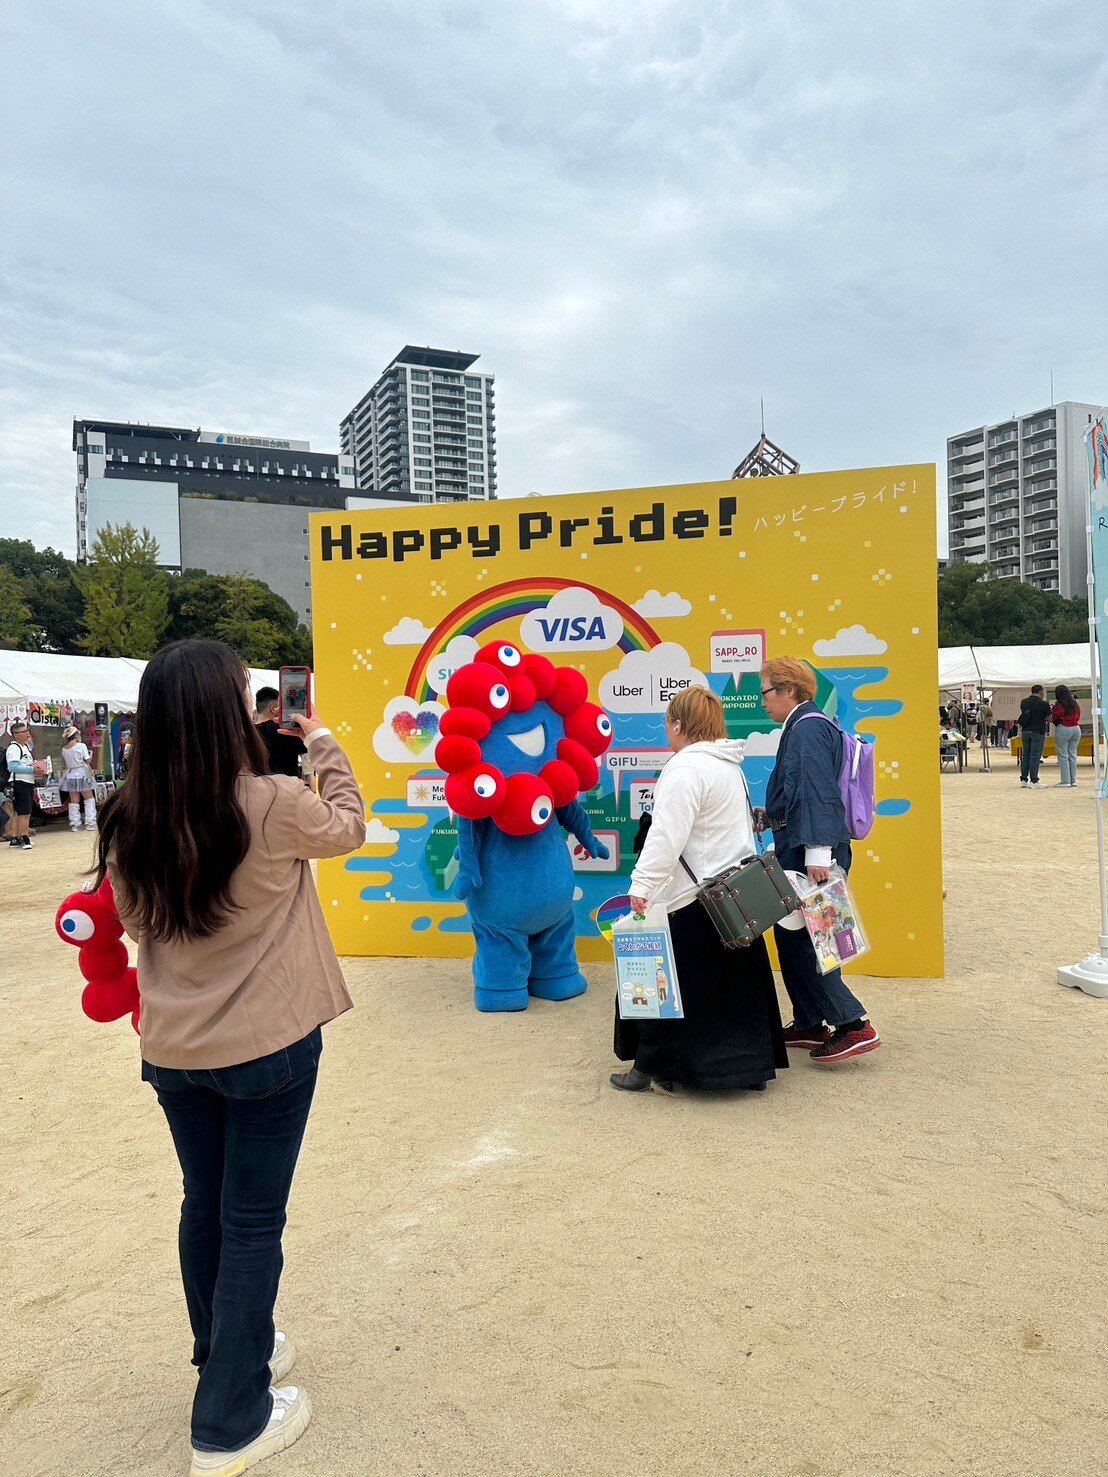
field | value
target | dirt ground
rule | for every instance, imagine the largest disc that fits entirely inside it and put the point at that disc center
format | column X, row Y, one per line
column 497, row 1265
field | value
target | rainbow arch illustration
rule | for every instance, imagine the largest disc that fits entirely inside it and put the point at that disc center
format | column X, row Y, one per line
column 512, row 599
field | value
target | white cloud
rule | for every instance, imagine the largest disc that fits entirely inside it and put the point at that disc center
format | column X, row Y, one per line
column 378, row 834
column 851, row 641
column 574, row 620
column 409, row 732
column 656, row 606
column 457, row 653
column 645, row 681
column 760, row 745
column 408, row 631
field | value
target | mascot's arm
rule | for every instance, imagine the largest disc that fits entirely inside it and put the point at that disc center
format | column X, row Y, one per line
column 469, row 859
column 575, row 820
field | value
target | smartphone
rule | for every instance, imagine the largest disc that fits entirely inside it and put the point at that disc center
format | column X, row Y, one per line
column 294, row 685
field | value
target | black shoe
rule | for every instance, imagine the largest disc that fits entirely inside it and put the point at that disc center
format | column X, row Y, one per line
column 630, row 1081
column 26, row 842
column 15, row 841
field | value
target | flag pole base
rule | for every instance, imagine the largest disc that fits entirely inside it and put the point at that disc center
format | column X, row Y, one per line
column 1091, row 974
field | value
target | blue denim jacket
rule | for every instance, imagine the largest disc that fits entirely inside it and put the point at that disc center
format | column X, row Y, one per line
column 802, row 799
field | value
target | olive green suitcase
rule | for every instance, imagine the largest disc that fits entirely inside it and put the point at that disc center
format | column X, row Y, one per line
column 746, row 901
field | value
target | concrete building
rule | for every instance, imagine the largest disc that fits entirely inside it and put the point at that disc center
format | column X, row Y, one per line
column 215, row 501
column 426, row 431
column 1017, row 497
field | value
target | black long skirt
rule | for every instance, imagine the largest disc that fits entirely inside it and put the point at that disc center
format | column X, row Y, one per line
column 731, row 1035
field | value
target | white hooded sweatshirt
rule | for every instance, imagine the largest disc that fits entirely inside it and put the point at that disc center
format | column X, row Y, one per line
column 701, row 812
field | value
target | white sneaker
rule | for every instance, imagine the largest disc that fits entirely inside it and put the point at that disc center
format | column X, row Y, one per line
column 283, row 1357
column 292, row 1410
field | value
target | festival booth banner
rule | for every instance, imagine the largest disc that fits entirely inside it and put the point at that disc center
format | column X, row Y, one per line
column 647, row 591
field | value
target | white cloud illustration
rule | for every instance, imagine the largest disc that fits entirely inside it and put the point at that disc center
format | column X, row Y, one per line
column 455, row 654
column 645, row 681
column 574, row 620
column 409, row 732
column 408, row 631
column 378, row 834
column 760, row 745
column 851, row 641
column 655, row 606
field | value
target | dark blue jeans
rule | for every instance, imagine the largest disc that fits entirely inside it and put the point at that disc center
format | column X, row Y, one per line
column 815, row 997
column 237, row 1132
column 1031, row 753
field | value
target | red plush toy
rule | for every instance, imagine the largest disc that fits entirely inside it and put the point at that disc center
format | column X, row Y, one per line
column 90, row 920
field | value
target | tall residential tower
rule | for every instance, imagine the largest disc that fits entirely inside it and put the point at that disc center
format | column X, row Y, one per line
column 426, row 431
column 1017, row 497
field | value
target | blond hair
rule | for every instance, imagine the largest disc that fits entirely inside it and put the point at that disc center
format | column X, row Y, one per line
column 786, row 671
column 700, row 714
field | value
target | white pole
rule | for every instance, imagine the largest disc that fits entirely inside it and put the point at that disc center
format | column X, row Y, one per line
column 1091, row 974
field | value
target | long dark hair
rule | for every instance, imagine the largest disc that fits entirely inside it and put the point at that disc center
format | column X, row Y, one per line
column 1063, row 696
column 175, row 831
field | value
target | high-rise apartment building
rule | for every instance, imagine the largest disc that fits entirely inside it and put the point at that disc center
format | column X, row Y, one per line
column 1017, row 497
column 214, row 501
column 426, row 431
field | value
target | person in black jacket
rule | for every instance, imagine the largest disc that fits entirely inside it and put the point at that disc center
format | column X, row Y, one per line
column 285, row 750
column 1033, row 719
column 804, row 809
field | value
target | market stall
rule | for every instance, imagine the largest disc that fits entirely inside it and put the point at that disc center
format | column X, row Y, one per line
column 95, row 693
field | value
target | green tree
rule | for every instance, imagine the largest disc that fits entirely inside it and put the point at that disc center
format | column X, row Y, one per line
column 126, row 594
column 975, row 610
column 16, row 629
column 244, row 612
column 51, row 592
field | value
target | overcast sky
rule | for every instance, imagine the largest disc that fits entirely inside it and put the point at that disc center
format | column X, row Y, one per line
column 888, row 219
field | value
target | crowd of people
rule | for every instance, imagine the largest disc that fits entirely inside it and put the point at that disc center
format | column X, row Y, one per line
column 210, row 867
column 960, row 722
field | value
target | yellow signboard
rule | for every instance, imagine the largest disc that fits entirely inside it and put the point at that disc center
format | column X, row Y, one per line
column 646, row 591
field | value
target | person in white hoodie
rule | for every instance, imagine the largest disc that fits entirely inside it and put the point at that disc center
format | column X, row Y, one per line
column 731, row 1034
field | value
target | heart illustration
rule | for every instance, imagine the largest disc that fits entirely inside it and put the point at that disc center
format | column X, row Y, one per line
column 416, row 731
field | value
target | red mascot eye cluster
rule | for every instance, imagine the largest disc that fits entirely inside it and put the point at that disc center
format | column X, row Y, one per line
column 90, row 920
column 501, row 680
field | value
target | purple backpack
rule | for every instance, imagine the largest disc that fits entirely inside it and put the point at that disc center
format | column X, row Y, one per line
column 856, row 785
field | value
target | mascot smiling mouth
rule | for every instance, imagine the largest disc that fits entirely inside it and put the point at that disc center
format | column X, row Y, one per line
column 531, row 742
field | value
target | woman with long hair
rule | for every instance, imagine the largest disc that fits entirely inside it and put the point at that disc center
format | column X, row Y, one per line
column 731, row 1032
column 208, row 855
column 1066, row 717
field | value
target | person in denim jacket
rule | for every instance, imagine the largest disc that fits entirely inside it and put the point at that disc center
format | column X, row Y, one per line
column 804, row 809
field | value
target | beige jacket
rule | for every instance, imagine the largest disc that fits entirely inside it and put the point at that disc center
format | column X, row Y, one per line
column 269, row 976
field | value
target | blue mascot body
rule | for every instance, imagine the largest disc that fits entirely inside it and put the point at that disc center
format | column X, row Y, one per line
column 519, row 741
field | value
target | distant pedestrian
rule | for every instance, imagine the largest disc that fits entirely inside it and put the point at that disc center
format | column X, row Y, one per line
column 78, row 781
column 285, row 751
column 21, row 767
column 1066, row 717
column 1034, row 716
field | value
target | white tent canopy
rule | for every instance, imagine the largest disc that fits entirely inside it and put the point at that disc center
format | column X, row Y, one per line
column 1009, row 666
column 28, row 677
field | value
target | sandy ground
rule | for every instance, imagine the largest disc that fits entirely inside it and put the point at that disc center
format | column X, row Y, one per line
column 497, row 1265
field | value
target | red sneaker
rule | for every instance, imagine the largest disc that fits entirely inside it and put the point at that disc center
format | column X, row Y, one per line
column 844, row 1044
column 807, row 1039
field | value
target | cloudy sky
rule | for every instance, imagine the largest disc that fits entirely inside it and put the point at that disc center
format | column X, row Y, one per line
column 888, row 219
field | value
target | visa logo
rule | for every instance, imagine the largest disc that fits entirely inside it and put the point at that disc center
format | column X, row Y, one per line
column 572, row 628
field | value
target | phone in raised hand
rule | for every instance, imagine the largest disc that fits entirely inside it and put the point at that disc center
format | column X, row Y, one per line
column 294, row 687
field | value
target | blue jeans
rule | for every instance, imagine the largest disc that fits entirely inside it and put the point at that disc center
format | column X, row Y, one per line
column 815, row 997
column 237, row 1131
column 1066, row 741
column 1031, row 753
